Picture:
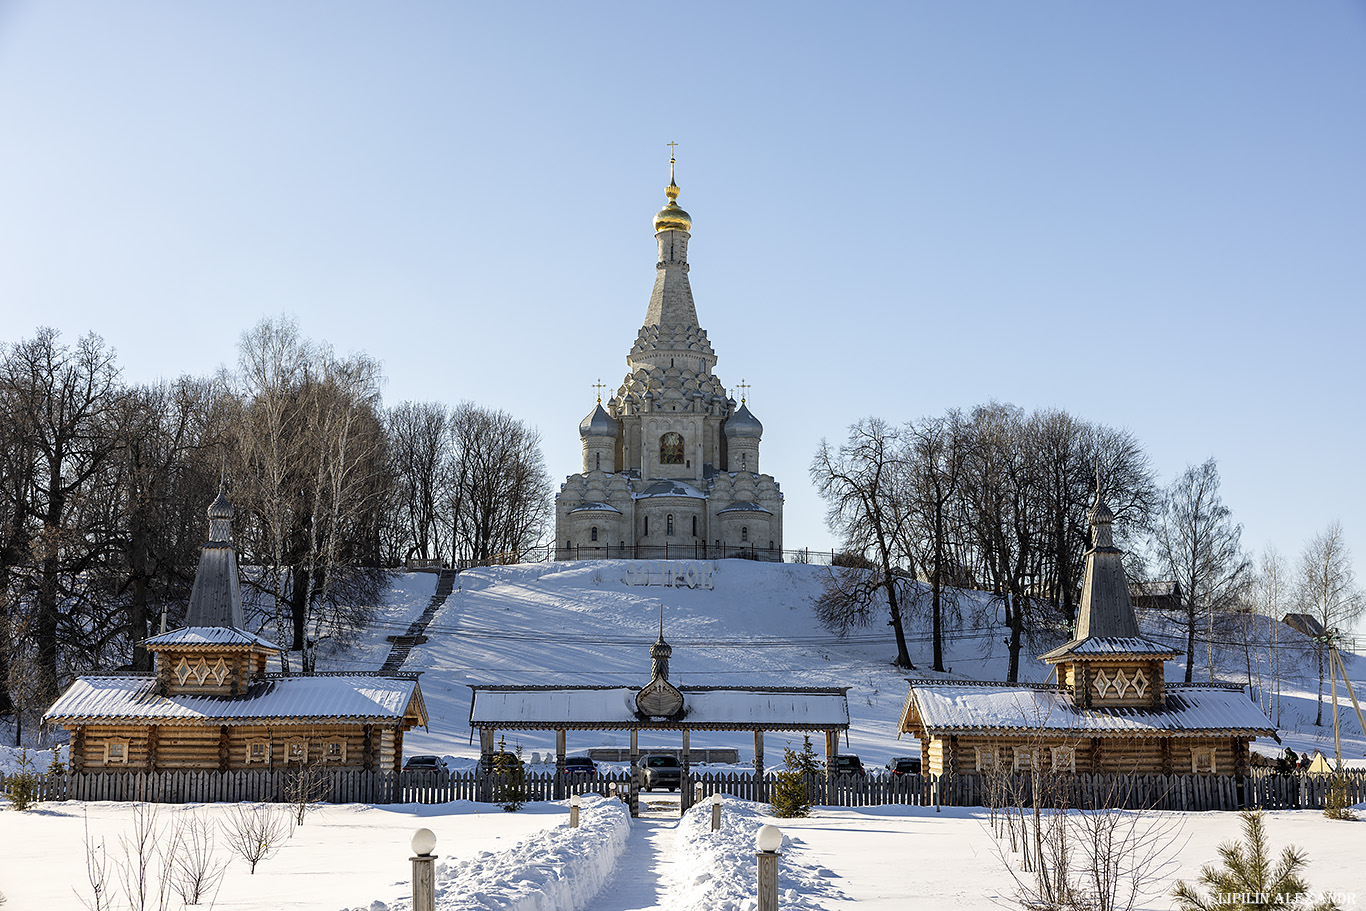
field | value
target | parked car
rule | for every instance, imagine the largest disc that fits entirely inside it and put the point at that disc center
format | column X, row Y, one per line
column 425, row 764
column 660, row 771
column 848, row 764
column 905, row 765
column 580, row 767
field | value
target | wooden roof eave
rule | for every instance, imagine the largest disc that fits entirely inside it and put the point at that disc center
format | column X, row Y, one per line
column 416, row 710
column 232, row 721
column 662, row 725
column 1098, row 732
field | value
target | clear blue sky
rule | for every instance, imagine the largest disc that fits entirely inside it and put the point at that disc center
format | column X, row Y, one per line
column 1149, row 214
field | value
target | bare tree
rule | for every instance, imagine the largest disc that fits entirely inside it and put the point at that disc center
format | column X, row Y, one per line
column 197, row 870
column 863, row 485
column 1197, row 543
column 937, row 451
column 255, row 831
column 1328, row 591
column 499, row 490
column 56, row 402
column 418, row 438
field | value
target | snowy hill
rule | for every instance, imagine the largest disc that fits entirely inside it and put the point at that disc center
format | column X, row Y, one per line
column 592, row 622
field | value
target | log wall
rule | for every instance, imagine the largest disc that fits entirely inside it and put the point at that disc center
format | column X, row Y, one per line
column 214, row 748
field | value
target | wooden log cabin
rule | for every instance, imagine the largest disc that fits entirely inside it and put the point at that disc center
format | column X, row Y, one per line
column 212, row 705
column 1108, row 709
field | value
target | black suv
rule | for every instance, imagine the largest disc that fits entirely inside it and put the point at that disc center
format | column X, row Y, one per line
column 425, row 764
column 661, row 771
column 905, row 765
column 848, row 764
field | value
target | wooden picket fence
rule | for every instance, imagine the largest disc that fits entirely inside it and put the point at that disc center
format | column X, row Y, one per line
column 1166, row 792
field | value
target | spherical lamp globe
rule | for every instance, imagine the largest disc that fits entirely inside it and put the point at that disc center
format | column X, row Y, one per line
column 423, row 842
column 769, row 839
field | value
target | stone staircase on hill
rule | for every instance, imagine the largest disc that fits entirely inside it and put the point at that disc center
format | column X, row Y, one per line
column 403, row 644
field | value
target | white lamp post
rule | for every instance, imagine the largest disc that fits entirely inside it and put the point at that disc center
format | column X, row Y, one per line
column 716, row 811
column 769, row 839
column 424, row 870
column 574, row 812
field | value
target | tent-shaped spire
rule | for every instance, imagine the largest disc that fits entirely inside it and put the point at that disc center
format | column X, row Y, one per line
column 1106, row 623
column 216, row 599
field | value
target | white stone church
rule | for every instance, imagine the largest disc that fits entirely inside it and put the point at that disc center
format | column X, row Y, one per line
column 670, row 462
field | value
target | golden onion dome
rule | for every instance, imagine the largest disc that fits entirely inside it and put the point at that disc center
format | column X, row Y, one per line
column 672, row 217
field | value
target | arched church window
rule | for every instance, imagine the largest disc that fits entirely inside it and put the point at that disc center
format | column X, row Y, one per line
column 744, row 533
column 669, row 525
column 694, row 526
column 647, row 526
column 744, row 460
column 597, row 461
column 594, row 533
column 671, row 449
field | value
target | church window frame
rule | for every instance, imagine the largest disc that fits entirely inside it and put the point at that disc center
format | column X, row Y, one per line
column 597, row 461
column 669, row 525
column 593, row 533
column 647, row 527
column 694, row 526
column 744, row 534
column 671, row 448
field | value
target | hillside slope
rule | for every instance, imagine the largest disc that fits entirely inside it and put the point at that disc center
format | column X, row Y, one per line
column 585, row 623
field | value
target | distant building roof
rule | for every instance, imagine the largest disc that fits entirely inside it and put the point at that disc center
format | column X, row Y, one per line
column 210, row 635
column 1304, row 623
column 958, row 708
column 704, row 708
column 1110, row 646
column 280, row 700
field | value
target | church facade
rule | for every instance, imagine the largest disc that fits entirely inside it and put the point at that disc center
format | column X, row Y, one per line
column 671, row 460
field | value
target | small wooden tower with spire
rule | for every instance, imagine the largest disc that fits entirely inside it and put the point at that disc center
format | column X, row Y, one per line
column 212, row 705
column 1110, row 709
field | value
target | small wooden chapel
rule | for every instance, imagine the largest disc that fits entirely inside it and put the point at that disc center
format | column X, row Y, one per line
column 211, row 705
column 1109, row 709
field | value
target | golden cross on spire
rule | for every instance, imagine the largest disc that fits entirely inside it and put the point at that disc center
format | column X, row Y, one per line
column 743, row 386
column 599, row 385
column 672, row 147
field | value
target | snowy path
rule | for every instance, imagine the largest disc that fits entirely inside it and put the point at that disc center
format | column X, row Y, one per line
column 645, row 870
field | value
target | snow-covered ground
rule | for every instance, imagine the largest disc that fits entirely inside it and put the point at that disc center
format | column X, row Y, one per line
column 583, row 623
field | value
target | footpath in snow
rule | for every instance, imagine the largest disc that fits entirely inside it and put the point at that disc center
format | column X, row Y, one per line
column 612, row 863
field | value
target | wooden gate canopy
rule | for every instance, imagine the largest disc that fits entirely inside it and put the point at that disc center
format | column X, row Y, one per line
column 705, row 708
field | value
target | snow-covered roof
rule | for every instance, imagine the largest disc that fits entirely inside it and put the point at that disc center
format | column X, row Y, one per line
column 284, row 700
column 1111, row 646
column 209, row 635
column 956, row 708
column 704, row 708
column 669, row 488
column 601, row 507
column 746, row 507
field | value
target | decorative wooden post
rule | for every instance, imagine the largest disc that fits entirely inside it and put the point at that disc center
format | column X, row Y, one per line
column 831, row 743
column 558, row 789
column 685, row 793
column 484, row 773
column 759, row 789
column 769, row 839
column 633, row 794
column 574, row 812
